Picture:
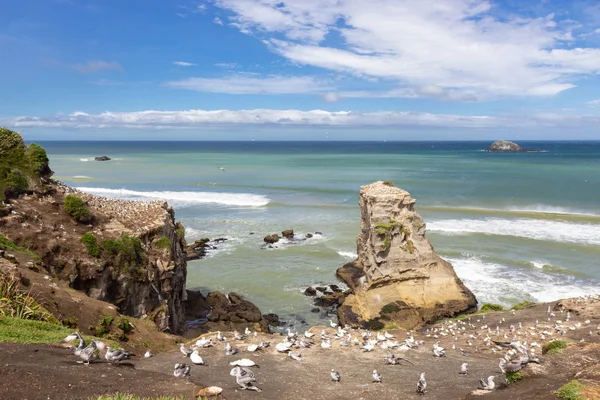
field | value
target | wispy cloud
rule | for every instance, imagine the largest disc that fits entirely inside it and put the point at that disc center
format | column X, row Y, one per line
column 254, row 84
column 90, row 66
column 197, row 119
column 594, row 103
column 183, row 63
column 230, row 65
column 454, row 50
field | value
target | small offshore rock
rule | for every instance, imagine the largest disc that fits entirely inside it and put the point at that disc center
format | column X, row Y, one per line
column 102, row 158
column 308, row 235
column 272, row 319
column 270, row 239
column 310, row 291
column 315, row 310
column 504, row 146
column 288, row 234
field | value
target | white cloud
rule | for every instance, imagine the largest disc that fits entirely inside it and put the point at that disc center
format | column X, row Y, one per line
column 454, row 50
column 183, row 63
column 218, row 21
column 253, row 84
column 198, row 119
column 594, row 103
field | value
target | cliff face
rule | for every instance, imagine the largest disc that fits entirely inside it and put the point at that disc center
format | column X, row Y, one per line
column 127, row 253
column 398, row 277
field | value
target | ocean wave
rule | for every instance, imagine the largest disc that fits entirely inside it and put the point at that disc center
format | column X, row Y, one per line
column 557, row 231
column 347, row 254
column 536, row 210
column 82, row 177
column 497, row 283
column 184, row 198
column 84, row 159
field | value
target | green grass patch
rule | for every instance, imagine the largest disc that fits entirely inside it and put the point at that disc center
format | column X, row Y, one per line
column 554, row 347
column 76, row 208
column 570, row 391
column 163, row 243
column 124, row 325
column 6, row 244
column 388, row 183
column 390, row 308
column 129, row 256
column 19, row 304
column 523, row 304
column 91, row 244
column 514, row 376
column 488, row 307
column 16, row 330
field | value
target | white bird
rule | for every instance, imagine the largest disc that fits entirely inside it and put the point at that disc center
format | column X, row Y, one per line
column 181, row 370
column 283, row 347
column 87, row 354
column 245, row 378
column 247, row 331
column 252, row 348
column 489, row 385
column 196, row 358
column 308, row 334
column 222, row 169
column 332, row 324
column 295, row 356
column 376, row 376
column 243, row 362
column 422, row 385
column 186, row 351
column 335, row 376
column 147, row 354
column 464, row 369
column 220, row 336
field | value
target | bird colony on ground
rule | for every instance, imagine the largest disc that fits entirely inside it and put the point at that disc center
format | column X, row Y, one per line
column 515, row 344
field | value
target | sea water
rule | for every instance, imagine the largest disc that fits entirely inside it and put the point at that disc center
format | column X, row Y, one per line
column 519, row 226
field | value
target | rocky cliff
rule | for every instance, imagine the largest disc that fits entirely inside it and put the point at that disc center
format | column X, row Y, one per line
column 504, row 146
column 398, row 277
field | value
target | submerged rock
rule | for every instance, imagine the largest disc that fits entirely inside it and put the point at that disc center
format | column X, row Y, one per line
column 398, row 276
column 102, row 158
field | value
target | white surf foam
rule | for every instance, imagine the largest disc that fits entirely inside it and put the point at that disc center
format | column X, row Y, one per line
column 347, row 254
column 84, row 159
column 528, row 228
column 496, row 283
column 82, row 177
column 184, row 198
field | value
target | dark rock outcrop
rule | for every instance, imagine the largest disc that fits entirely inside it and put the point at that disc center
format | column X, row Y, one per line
column 102, row 158
column 233, row 312
column 398, row 277
column 200, row 247
column 270, row 239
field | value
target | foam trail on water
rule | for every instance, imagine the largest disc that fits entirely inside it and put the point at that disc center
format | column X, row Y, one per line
column 556, row 231
column 347, row 254
column 184, row 198
column 496, row 283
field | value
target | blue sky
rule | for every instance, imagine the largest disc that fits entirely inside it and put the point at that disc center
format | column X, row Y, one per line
column 303, row 69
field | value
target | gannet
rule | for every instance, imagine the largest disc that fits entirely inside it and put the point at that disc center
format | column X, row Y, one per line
column 464, row 369
column 295, row 356
column 116, row 355
column 422, row 385
column 252, row 347
column 376, row 376
column 186, row 351
column 244, row 362
column 181, row 370
column 196, row 358
column 147, row 354
column 489, row 385
column 335, row 376
column 244, row 377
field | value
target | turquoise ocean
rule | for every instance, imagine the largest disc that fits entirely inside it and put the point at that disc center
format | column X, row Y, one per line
column 516, row 227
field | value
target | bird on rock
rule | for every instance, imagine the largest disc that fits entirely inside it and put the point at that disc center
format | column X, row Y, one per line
column 181, row 370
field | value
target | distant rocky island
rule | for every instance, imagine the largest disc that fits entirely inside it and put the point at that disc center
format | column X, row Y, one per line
column 504, row 146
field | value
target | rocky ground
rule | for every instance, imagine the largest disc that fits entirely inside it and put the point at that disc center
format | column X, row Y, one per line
column 50, row 370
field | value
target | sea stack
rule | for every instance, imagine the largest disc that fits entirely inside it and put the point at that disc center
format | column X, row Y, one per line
column 504, row 146
column 398, row 277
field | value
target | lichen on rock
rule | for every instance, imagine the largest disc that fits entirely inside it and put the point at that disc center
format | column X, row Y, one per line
column 398, row 277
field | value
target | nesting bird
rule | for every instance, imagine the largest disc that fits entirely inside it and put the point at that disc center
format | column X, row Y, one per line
column 196, row 358
column 464, row 369
column 422, row 384
column 186, row 351
column 245, row 378
column 335, row 376
column 489, row 385
column 181, row 370
column 376, row 376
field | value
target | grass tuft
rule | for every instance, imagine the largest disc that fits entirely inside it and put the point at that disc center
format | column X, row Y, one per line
column 19, row 304
column 523, row 304
column 570, row 391
column 554, row 347
column 514, row 376
column 125, row 396
column 488, row 307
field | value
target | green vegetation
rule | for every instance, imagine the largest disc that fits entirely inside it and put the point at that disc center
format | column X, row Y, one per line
column 124, row 325
column 514, row 376
column 388, row 183
column 76, row 208
column 390, row 327
column 383, row 228
column 390, row 308
column 163, row 243
column 416, row 225
column 375, row 324
column 128, row 253
column 125, row 396
column 386, row 243
column 554, row 347
column 18, row 304
column 180, row 229
column 16, row 330
column 523, row 304
column 570, row 391
column 488, row 307
column 104, row 324
column 112, row 246
column 70, row 322
column 91, row 244
column 6, row 244
column 20, row 167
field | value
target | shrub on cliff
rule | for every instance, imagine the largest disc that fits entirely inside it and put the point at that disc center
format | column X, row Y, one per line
column 76, row 208
column 20, row 167
column 91, row 244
